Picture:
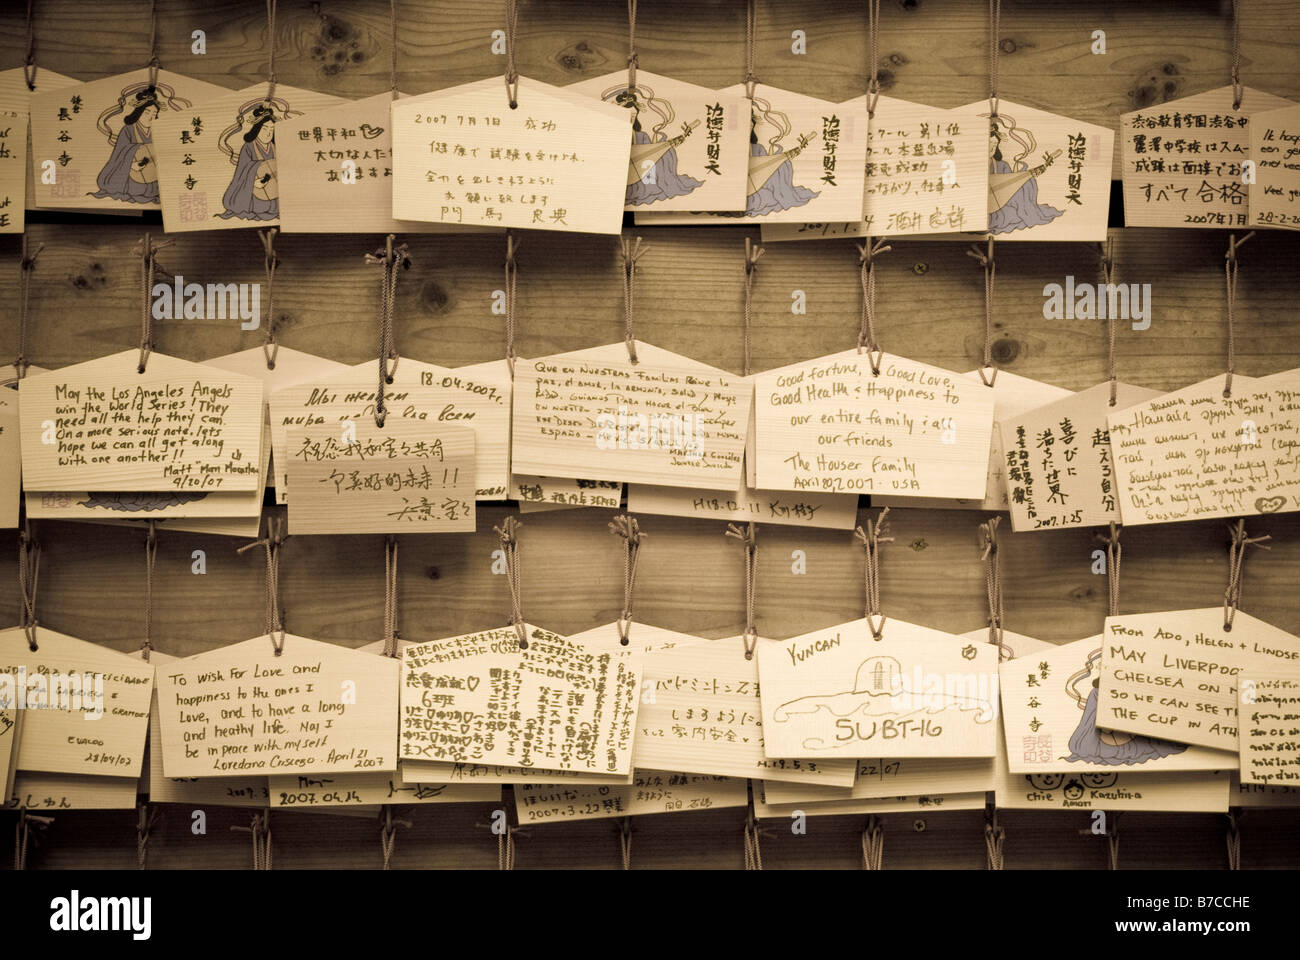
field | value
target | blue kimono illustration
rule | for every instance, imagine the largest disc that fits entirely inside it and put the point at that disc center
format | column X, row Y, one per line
column 664, row 182
column 245, row 197
column 1023, row 209
column 1111, row 749
column 131, row 173
column 659, row 181
column 780, row 191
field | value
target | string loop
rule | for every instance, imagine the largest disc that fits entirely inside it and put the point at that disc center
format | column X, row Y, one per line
column 873, row 844
column 625, row 842
column 512, row 277
column 753, row 846
column 752, row 254
column 30, row 828
column 1107, row 260
column 632, row 61
column 388, row 834
column 1238, row 544
column 26, row 264
column 150, row 556
column 632, row 251
column 270, row 61
column 507, row 533
column 269, row 347
column 1237, row 90
column 751, row 32
column 147, row 251
column 1230, row 266
column 274, row 614
column 986, row 260
column 992, row 558
column 259, row 827
column 29, row 64
column 627, row 528
column 512, row 74
column 867, row 253
column 995, row 836
column 29, row 569
column 146, row 818
column 995, row 21
column 749, row 537
column 871, row 539
column 390, row 257
column 1114, row 554
column 392, row 636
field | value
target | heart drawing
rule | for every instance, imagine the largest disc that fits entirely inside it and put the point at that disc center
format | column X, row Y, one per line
column 472, row 683
column 1270, row 504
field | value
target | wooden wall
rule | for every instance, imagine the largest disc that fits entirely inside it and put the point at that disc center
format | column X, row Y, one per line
column 85, row 303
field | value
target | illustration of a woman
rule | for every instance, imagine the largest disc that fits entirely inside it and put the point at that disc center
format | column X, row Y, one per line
column 1103, row 746
column 771, row 187
column 131, row 173
column 1013, row 185
column 652, row 166
column 254, row 191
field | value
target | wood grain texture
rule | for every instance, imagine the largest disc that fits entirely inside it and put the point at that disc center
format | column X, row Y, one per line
column 85, row 303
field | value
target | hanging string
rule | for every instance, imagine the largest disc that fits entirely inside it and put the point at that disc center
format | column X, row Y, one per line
column 270, row 62
column 392, row 636
column 632, row 251
column 25, row 267
column 632, row 62
column 627, row 528
column 506, row 847
column 512, row 277
column 274, row 617
column 147, row 250
column 510, row 548
column 154, row 63
column 995, row 836
column 867, row 330
column 1236, row 58
column 995, row 18
column 752, row 252
column 625, row 842
column 29, row 569
column 873, row 56
column 873, row 844
column 29, row 65
column 1237, row 548
column 749, row 537
column 1234, row 840
column 1114, row 554
column 992, row 558
column 990, row 274
column 751, row 32
column 269, row 347
column 1108, row 277
column 871, row 539
column 512, row 75
column 390, row 257
column 1230, row 266
column 23, row 834
column 150, row 556
column 392, row 65
column 753, row 847
column 259, row 828
column 1112, row 842
column 388, row 834
column 146, row 817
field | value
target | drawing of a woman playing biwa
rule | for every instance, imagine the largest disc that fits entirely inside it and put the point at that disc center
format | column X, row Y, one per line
column 771, row 187
column 131, row 173
column 1013, row 186
column 652, row 166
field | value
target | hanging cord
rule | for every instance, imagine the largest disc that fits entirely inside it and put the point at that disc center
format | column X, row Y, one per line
column 1114, row 554
column 873, row 844
column 992, row 558
column 388, row 834
column 1112, row 842
column 512, row 75
column 752, row 253
column 873, row 56
column 985, row 259
column 392, row 636
column 1108, row 277
column 146, row 818
column 753, row 847
column 995, row 836
column 1236, row 58
column 150, row 556
column 1233, row 837
column 269, row 347
column 625, row 842
column 390, row 257
column 995, row 18
column 31, row 828
column 29, row 65
column 29, row 570
column 25, row 267
column 392, row 65
column 632, row 62
column 147, row 250
column 259, row 827
column 751, row 32
column 270, row 61
column 1237, row 548
column 506, row 846
column 510, row 548
column 627, row 528
column 154, row 63
column 274, row 617
column 867, row 329
column 1230, row 266
column 632, row 251
column 512, row 279
column 871, row 540
column 749, row 537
